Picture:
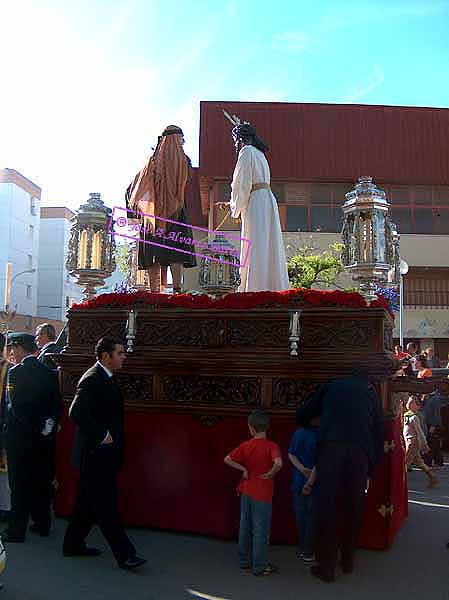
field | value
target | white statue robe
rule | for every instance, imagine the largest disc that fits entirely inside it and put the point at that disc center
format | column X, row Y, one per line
column 266, row 267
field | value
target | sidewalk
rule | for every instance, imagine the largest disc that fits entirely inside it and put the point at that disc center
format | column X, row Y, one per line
column 417, row 567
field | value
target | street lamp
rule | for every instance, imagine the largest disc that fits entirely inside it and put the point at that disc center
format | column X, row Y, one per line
column 8, row 315
column 22, row 273
column 403, row 270
column 10, row 280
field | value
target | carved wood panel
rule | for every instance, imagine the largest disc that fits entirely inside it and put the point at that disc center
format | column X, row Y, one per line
column 264, row 333
column 215, row 391
column 340, row 334
column 89, row 331
column 388, row 336
column 136, row 389
column 289, row 393
column 181, row 332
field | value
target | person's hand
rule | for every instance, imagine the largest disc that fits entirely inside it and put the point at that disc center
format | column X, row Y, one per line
column 222, row 205
column 267, row 475
column 307, row 489
column 432, row 429
column 245, row 474
column 306, row 472
column 107, row 440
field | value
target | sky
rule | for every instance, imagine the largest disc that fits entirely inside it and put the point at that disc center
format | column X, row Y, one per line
column 87, row 86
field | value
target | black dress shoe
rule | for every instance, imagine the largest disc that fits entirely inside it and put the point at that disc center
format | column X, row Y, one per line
column 83, row 551
column 9, row 538
column 316, row 572
column 39, row 531
column 132, row 563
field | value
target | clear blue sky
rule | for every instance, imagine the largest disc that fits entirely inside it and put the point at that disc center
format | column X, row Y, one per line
column 88, row 85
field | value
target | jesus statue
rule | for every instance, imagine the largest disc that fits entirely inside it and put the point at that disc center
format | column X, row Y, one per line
column 253, row 201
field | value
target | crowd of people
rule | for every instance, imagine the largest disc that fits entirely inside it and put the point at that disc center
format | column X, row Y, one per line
column 423, row 423
column 419, row 363
column 31, row 409
column 333, row 454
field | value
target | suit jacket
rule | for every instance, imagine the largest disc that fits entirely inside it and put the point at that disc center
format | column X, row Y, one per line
column 44, row 356
column 96, row 410
column 350, row 412
column 34, row 396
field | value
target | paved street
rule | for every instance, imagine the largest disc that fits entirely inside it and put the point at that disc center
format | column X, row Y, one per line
column 415, row 568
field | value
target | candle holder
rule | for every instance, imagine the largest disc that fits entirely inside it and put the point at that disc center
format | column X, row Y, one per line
column 91, row 245
column 131, row 330
column 371, row 240
column 219, row 269
column 295, row 331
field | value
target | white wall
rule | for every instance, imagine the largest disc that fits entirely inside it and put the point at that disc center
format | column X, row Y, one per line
column 17, row 244
column 54, row 287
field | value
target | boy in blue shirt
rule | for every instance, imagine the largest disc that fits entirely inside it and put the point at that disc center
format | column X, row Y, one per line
column 302, row 455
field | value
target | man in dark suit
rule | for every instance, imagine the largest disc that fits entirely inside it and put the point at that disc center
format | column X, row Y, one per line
column 350, row 446
column 46, row 342
column 45, row 337
column 98, row 413
column 33, row 401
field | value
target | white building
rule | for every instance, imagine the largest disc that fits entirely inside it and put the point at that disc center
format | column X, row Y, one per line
column 19, row 240
column 57, row 291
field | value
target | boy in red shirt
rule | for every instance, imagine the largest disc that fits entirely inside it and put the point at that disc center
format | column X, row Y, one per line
column 259, row 460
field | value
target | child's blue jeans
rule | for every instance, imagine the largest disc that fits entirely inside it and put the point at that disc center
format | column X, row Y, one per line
column 305, row 522
column 254, row 535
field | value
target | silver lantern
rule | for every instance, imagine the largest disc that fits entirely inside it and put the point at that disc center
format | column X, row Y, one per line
column 91, row 248
column 220, row 269
column 371, row 242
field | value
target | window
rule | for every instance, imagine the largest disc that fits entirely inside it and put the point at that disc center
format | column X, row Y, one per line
column 423, row 220
column 427, row 287
column 30, row 261
column 313, row 207
column 322, row 219
column 420, row 209
column 441, row 220
column 297, row 218
column 29, row 292
column 33, row 206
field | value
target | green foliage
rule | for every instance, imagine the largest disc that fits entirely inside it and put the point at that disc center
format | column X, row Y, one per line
column 308, row 268
column 123, row 258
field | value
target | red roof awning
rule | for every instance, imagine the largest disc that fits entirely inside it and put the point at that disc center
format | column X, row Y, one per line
column 333, row 142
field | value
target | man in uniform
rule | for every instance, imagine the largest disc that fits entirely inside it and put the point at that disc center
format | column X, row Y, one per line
column 45, row 339
column 33, row 404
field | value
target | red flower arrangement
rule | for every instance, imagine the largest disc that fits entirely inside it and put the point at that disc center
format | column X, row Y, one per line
column 237, row 301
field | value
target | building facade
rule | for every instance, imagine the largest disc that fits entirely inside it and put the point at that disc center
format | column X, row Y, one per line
column 19, row 240
column 317, row 152
column 57, row 290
